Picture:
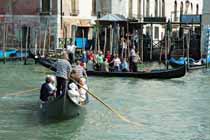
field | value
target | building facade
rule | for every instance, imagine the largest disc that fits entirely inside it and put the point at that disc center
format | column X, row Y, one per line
column 56, row 18
column 60, row 18
column 139, row 9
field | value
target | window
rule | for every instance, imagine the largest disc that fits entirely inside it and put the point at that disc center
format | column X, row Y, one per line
column 163, row 8
column 45, row 8
column 175, row 11
column 148, row 30
column 191, row 8
column 130, row 4
column 156, row 8
column 93, row 7
column 197, row 9
column 147, row 8
column 74, row 7
column 181, row 8
column 187, row 4
column 139, row 9
column 156, row 32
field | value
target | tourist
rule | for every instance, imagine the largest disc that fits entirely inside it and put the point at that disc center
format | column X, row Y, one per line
column 47, row 90
column 71, row 48
column 63, row 69
column 73, row 92
column 124, row 48
column 124, row 66
column 116, row 61
column 83, row 90
column 90, row 65
column 100, row 60
column 84, row 59
column 109, row 56
column 132, row 56
column 135, row 61
column 91, row 56
column 80, row 70
column 105, row 66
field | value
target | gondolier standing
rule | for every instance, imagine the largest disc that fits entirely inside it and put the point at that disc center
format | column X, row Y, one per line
column 63, row 70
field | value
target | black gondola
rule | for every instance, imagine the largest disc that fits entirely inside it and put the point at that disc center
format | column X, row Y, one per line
column 60, row 107
column 154, row 74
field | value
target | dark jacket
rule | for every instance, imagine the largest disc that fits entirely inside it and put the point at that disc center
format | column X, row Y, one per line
column 45, row 92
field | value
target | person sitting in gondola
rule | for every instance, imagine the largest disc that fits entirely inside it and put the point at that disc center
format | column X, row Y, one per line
column 73, row 89
column 80, row 70
column 47, row 89
column 83, row 91
column 77, row 93
column 124, row 66
column 116, row 61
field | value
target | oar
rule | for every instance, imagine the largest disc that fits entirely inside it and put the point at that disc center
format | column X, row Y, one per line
column 21, row 92
column 117, row 113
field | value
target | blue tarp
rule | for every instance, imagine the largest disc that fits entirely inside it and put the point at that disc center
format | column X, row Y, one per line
column 191, row 19
column 13, row 53
column 79, row 43
column 180, row 61
column 7, row 53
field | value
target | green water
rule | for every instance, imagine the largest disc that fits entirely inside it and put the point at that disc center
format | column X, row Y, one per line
column 176, row 109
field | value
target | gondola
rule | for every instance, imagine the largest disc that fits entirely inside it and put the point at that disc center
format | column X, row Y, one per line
column 61, row 107
column 154, row 74
column 175, row 63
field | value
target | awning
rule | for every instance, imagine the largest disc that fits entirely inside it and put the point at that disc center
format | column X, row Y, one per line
column 78, row 22
column 113, row 18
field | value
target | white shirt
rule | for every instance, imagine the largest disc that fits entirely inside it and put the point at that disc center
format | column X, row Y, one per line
column 71, row 48
column 117, row 62
column 83, row 92
column 74, row 93
column 124, row 45
column 133, row 53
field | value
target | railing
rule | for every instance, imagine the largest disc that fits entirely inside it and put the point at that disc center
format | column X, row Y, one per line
column 47, row 12
column 74, row 13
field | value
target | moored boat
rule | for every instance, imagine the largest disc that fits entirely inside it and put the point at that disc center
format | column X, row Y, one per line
column 193, row 64
column 153, row 74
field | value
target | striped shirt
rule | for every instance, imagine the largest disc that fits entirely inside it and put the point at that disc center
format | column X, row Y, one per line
column 63, row 68
column 80, row 70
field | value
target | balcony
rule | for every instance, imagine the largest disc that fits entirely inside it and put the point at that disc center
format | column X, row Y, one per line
column 74, row 13
column 44, row 12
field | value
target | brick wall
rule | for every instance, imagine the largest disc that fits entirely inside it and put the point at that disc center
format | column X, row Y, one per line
column 23, row 7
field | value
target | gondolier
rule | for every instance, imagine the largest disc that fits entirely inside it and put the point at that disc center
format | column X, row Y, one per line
column 63, row 70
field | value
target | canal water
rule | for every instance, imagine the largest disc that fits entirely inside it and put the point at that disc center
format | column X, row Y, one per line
column 176, row 109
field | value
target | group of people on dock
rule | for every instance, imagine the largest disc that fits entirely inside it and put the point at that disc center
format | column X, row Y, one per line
column 125, row 61
column 67, row 80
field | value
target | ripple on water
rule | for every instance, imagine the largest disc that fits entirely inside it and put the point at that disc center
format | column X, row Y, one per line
column 176, row 109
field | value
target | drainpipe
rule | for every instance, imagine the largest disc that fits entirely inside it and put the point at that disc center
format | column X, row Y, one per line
column 61, row 14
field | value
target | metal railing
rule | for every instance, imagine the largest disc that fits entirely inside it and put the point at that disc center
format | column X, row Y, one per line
column 74, row 13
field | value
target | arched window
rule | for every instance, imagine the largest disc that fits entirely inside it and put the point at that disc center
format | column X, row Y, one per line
column 130, row 6
column 197, row 9
column 139, row 8
column 93, row 7
column 181, row 8
column 74, row 7
column 187, row 4
column 163, row 8
column 147, row 8
column 175, row 11
column 191, row 8
column 156, row 8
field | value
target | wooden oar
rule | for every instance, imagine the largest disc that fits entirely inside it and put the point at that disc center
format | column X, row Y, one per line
column 21, row 92
column 117, row 113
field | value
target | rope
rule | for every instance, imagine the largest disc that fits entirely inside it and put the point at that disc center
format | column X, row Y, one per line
column 117, row 113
